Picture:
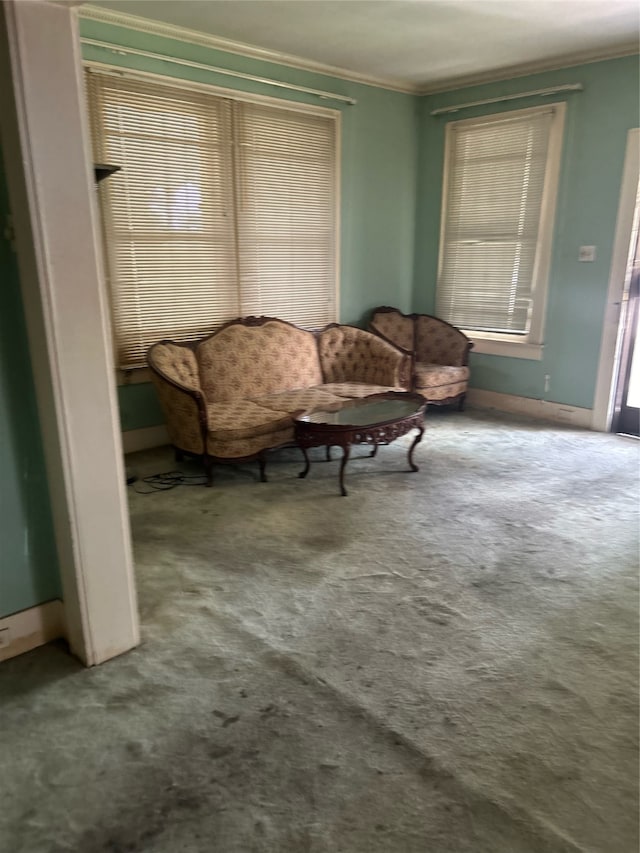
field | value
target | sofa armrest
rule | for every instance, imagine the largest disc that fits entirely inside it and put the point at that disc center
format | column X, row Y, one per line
column 349, row 354
column 174, row 373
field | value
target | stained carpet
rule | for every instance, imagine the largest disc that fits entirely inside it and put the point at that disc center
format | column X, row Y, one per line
column 442, row 662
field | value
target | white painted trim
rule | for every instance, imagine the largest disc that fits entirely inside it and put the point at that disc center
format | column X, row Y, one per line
column 510, row 349
column 188, row 36
column 626, row 222
column 222, row 91
column 529, row 346
column 157, row 28
column 144, row 439
column 557, row 412
column 53, row 199
column 216, row 69
column 498, row 75
column 21, row 632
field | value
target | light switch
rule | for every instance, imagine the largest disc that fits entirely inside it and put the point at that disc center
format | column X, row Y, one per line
column 587, row 253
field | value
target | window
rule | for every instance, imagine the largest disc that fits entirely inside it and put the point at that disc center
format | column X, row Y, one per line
column 499, row 196
column 222, row 208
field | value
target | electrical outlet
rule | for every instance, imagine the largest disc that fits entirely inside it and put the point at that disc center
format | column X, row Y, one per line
column 587, row 253
column 5, row 638
column 547, row 382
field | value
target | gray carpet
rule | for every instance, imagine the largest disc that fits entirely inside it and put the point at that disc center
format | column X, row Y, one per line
column 442, row 662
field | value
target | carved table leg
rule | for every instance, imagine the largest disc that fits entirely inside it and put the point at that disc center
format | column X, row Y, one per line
column 416, row 441
column 262, row 463
column 328, row 449
column 307, row 464
column 345, row 458
column 374, row 451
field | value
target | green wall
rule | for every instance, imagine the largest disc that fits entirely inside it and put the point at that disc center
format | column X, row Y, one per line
column 28, row 563
column 391, row 172
column 379, row 137
column 590, row 181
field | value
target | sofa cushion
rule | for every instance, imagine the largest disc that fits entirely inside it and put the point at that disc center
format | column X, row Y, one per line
column 241, row 361
column 239, row 419
column 442, row 392
column 308, row 399
column 434, row 375
column 356, row 389
column 238, row 447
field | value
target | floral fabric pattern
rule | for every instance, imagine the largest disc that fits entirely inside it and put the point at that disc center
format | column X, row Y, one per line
column 237, row 448
column 246, row 381
column 183, row 415
column 309, row 400
column 348, row 354
column 441, row 392
column 439, row 343
column 395, row 326
column 432, row 375
column 177, row 363
column 243, row 362
column 238, row 419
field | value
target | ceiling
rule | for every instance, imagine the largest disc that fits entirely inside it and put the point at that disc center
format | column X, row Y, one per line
column 421, row 44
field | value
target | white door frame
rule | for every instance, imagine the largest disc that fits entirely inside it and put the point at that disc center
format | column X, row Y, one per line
column 45, row 142
column 626, row 223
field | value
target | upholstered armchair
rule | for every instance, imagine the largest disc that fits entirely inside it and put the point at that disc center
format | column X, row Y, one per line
column 439, row 353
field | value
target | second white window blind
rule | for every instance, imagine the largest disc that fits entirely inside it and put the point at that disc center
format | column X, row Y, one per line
column 495, row 184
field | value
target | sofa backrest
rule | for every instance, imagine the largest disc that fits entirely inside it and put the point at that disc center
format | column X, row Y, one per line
column 255, row 356
column 394, row 326
column 438, row 342
column 349, row 354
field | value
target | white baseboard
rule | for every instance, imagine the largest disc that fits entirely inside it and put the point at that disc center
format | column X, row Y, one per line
column 30, row 628
column 143, row 439
column 557, row 412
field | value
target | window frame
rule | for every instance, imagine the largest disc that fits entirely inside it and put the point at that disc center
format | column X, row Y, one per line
column 531, row 345
column 141, row 374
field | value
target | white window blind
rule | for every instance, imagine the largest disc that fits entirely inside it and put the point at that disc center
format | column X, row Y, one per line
column 495, row 187
column 220, row 209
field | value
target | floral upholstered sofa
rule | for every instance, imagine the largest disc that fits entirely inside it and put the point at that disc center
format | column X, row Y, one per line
column 230, row 397
column 439, row 353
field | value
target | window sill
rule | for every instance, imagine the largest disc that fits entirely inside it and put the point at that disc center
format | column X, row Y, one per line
column 134, row 376
column 510, row 349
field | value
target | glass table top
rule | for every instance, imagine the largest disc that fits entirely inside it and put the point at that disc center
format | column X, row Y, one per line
column 365, row 412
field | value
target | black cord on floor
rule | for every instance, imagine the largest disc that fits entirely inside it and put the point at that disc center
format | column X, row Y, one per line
column 169, row 480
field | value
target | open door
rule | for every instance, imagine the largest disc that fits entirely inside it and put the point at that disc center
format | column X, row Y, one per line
column 626, row 414
column 617, row 393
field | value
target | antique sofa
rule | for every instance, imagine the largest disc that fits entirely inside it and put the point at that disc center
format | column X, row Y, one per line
column 439, row 353
column 230, row 397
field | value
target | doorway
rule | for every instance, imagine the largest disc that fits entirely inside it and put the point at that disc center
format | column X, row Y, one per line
column 617, row 393
column 626, row 413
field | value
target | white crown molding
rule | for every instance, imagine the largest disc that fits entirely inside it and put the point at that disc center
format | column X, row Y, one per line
column 511, row 71
column 157, row 28
column 183, row 34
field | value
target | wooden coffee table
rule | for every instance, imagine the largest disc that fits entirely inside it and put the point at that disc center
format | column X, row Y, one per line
column 378, row 419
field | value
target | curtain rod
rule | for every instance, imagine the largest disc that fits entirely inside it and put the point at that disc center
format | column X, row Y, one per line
column 568, row 87
column 115, row 48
